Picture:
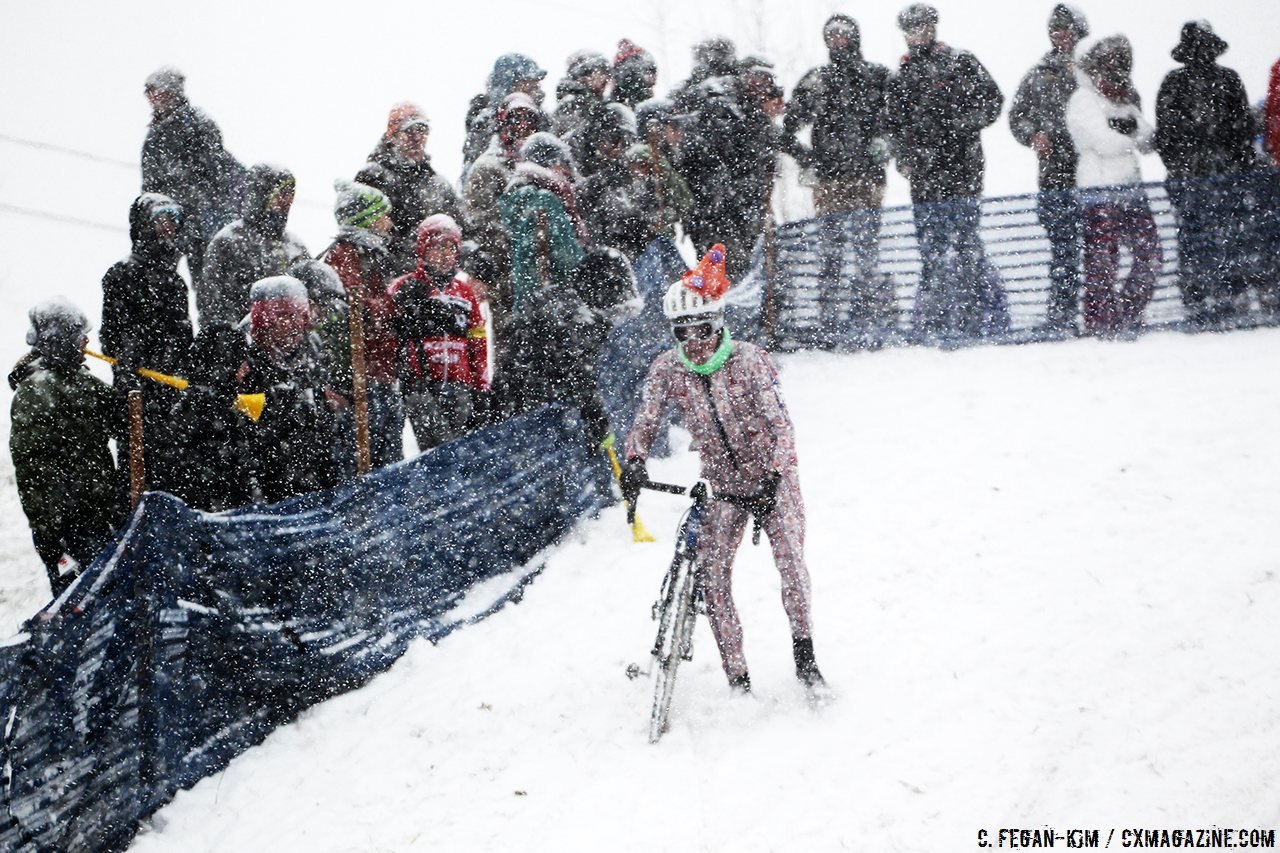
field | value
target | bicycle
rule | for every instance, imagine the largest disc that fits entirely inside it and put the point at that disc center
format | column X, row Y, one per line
column 680, row 598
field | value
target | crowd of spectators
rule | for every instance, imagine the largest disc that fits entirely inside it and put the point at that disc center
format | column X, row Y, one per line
column 451, row 305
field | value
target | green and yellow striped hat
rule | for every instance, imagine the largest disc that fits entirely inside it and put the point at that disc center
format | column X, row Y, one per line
column 359, row 205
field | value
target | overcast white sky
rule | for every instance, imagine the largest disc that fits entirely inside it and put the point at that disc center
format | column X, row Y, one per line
column 309, row 85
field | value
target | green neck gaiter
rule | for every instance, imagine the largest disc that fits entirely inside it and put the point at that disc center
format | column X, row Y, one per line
column 716, row 361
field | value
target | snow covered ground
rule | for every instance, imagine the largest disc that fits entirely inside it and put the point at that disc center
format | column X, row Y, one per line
column 1045, row 583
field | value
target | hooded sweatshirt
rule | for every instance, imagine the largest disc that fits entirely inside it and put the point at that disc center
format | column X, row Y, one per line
column 145, row 322
column 253, row 247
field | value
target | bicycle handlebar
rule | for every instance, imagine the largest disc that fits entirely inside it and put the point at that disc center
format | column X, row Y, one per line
column 699, row 493
column 664, row 487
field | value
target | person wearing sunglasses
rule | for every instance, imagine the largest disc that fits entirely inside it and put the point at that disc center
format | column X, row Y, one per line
column 727, row 395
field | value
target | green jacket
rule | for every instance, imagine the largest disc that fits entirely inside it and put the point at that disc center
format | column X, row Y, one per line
column 60, row 424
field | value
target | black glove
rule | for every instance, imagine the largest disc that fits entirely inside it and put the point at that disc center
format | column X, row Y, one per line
column 634, row 476
column 767, row 497
column 1128, row 125
column 422, row 316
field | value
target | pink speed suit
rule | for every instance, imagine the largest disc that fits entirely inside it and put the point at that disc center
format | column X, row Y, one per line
column 744, row 396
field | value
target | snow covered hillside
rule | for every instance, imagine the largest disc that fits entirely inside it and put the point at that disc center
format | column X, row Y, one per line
column 1046, row 589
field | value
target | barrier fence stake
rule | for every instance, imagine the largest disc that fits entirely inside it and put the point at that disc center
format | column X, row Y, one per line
column 655, row 165
column 137, row 465
column 770, row 270
column 544, row 249
column 359, row 388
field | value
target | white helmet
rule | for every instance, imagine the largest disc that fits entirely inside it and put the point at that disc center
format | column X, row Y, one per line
column 684, row 306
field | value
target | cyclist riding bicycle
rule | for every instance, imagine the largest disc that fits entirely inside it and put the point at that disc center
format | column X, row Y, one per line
column 727, row 395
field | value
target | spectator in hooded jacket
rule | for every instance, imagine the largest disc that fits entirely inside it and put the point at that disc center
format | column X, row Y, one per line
column 1204, row 134
column 1037, row 118
column 634, row 74
column 938, row 102
column 183, row 158
column 843, row 105
column 540, row 212
column 442, row 342
column 62, row 418
column 359, row 255
column 1104, row 116
column 713, row 57
column 252, row 248
column 401, row 168
column 512, row 72
column 145, row 320
column 287, row 449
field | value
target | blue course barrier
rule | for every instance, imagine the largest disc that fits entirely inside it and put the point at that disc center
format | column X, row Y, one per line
column 192, row 637
column 853, row 280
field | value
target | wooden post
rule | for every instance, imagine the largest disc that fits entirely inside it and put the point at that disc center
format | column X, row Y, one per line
column 655, row 163
column 359, row 386
column 770, row 276
column 544, row 249
column 137, row 465
column 770, row 246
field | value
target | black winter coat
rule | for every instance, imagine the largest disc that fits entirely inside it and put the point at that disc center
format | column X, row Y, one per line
column 1203, row 122
column 937, row 105
column 208, row 465
column 287, row 449
column 183, row 158
column 145, row 320
column 727, row 158
column 615, row 214
column 843, row 102
column 1040, row 106
column 554, row 350
column 415, row 191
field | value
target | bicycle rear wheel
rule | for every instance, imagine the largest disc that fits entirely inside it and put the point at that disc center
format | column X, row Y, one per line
column 675, row 643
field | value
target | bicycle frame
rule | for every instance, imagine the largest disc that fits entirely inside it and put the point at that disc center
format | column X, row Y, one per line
column 676, row 610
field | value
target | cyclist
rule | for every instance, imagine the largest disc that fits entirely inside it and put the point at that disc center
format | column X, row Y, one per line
column 727, row 395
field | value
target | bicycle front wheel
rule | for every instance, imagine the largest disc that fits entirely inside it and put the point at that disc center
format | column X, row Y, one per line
column 675, row 643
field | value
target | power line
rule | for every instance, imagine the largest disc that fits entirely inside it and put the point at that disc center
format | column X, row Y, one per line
column 94, row 158
column 58, row 217
column 59, row 149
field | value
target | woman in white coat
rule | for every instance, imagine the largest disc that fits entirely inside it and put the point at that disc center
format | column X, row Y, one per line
column 1104, row 117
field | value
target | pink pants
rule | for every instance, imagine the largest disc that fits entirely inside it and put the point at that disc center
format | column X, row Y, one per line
column 722, row 530
column 1108, row 226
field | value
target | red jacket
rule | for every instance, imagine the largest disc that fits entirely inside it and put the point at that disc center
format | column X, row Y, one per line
column 1273, row 113
column 364, row 278
column 441, row 332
